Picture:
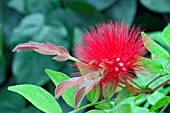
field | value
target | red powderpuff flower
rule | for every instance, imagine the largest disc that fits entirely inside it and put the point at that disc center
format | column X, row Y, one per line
column 116, row 49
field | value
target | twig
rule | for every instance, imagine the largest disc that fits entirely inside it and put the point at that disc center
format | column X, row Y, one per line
column 74, row 59
column 155, row 79
column 161, row 75
column 161, row 84
column 135, row 83
column 88, row 105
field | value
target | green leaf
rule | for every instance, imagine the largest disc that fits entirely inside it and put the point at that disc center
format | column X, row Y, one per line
column 62, row 15
column 166, row 34
column 153, row 98
column 2, row 59
column 32, row 6
column 55, row 34
column 18, row 5
column 136, row 109
column 104, row 105
column 57, row 78
column 160, row 103
column 155, row 48
column 30, row 109
column 167, row 68
column 33, row 28
column 123, row 94
column 124, row 108
column 78, row 34
column 158, row 37
column 159, row 80
column 28, row 68
column 101, row 4
column 95, row 111
column 11, row 102
column 38, row 97
column 165, row 90
column 138, row 100
column 120, row 12
column 94, row 95
column 29, row 26
column 160, row 6
column 85, row 11
column 152, row 65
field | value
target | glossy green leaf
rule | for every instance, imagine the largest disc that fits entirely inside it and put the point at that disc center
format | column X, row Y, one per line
column 120, row 12
column 155, row 48
column 38, row 97
column 104, row 105
column 158, row 37
column 123, row 94
column 58, row 77
column 160, row 103
column 124, row 108
column 166, row 34
column 152, row 65
column 153, row 98
column 160, row 6
column 95, row 111
column 94, row 95
column 101, row 4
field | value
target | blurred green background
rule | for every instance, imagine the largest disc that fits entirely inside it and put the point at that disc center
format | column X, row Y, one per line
column 62, row 22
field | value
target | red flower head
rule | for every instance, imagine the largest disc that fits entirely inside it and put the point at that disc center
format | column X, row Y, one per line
column 114, row 48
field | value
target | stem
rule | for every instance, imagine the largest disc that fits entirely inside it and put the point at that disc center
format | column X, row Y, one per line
column 74, row 59
column 135, row 83
column 150, row 91
column 88, row 105
column 161, row 75
column 155, row 79
column 161, row 84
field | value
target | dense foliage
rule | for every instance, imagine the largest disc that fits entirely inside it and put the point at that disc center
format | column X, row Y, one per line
column 63, row 22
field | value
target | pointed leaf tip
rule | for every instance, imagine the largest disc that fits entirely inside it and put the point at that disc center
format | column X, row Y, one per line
column 79, row 96
column 46, row 48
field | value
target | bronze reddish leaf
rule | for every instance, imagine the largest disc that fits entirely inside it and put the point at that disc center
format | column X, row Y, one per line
column 79, row 96
column 46, row 48
column 63, row 86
